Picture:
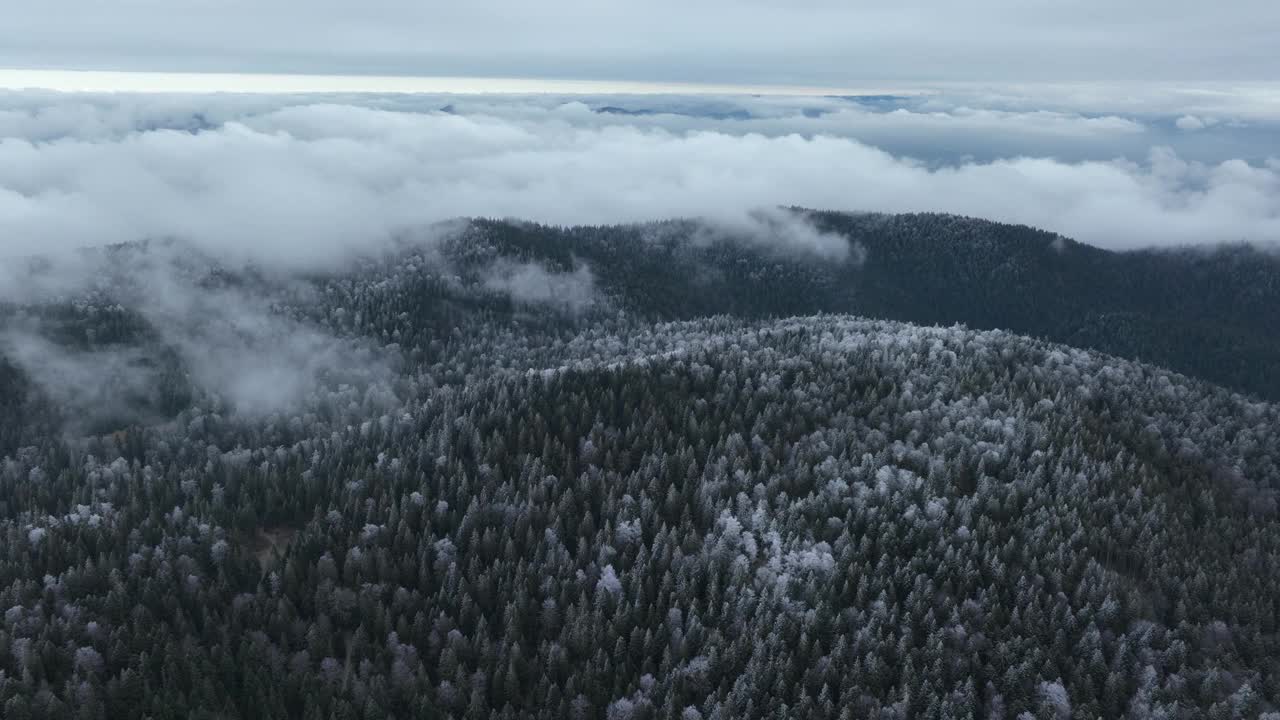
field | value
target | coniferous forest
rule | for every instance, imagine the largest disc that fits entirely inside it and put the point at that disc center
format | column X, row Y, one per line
column 966, row 470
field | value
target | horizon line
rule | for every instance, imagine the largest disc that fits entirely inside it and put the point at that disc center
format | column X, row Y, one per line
column 149, row 81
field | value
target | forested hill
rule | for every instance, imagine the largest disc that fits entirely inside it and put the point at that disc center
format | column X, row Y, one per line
column 644, row 472
column 821, row 518
column 1213, row 313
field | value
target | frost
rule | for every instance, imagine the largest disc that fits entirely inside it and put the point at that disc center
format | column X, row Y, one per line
column 218, row 551
column 1054, row 695
column 628, row 533
column 621, row 709
column 609, row 581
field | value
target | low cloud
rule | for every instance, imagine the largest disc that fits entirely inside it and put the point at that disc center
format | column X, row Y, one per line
column 186, row 335
column 534, row 284
column 96, row 388
column 782, row 231
column 255, row 357
column 309, row 185
column 1190, row 123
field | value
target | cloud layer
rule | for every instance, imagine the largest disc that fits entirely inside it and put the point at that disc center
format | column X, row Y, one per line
column 812, row 42
column 306, row 183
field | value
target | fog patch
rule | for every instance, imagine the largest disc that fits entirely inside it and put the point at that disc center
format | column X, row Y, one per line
column 258, row 360
column 97, row 389
column 782, row 231
column 198, row 331
column 533, row 284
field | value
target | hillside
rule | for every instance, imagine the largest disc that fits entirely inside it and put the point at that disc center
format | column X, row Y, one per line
column 494, row 478
column 1208, row 312
column 484, row 501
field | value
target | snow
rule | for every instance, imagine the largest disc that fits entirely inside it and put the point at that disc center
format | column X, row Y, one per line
column 609, row 581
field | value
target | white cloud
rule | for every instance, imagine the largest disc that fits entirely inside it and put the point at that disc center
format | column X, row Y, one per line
column 945, row 123
column 534, row 284
column 311, row 184
column 1190, row 123
column 1246, row 100
column 234, row 343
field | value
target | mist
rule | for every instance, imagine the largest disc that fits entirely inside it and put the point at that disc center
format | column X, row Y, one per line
column 312, row 185
column 534, row 284
column 290, row 185
column 136, row 333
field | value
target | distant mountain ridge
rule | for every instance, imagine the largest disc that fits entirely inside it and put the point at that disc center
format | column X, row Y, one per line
column 1209, row 312
column 1204, row 312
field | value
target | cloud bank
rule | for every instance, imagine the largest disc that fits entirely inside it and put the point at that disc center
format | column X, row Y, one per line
column 1071, row 123
column 306, row 185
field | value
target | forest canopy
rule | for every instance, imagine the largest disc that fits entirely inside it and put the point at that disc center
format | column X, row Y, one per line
column 649, row 471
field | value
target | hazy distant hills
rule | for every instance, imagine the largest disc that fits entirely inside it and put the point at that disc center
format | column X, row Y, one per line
column 1208, row 312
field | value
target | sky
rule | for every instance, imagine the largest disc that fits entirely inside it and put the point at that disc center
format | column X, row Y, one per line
column 305, row 134
column 829, row 43
column 298, row 132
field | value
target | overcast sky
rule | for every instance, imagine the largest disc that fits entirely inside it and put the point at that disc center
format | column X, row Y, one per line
column 1122, row 124
column 809, row 42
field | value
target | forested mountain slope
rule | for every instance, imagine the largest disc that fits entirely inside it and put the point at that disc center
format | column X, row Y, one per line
column 821, row 517
column 1212, row 312
column 495, row 478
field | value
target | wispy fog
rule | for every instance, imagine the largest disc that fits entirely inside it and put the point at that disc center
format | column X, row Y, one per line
column 125, row 332
column 534, row 284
